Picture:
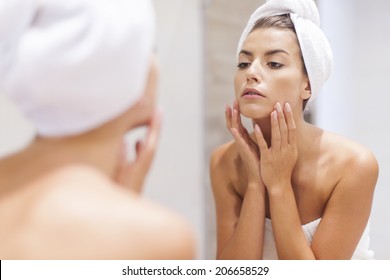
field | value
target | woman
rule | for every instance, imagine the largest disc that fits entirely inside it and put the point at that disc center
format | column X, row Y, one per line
column 289, row 190
column 84, row 74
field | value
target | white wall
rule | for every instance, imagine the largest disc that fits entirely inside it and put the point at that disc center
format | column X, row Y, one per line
column 15, row 131
column 176, row 178
column 356, row 100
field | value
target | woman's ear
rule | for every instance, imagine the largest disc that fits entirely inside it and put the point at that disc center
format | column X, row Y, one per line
column 306, row 91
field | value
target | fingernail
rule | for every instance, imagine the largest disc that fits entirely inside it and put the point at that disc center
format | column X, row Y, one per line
column 287, row 107
column 278, row 107
column 274, row 115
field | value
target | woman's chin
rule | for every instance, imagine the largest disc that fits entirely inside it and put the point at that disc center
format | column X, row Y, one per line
column 254, row 112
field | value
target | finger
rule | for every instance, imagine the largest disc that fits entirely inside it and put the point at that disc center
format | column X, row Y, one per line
column 235, row 105
column 154, row 131
column 148, row 147
column 237, row 108
column 123, row 152
column 240, row 141
column 236, row 135
column 253, row 145
column 282, row 124
column 275, row 132
column 236, row 119
column 242, row 128
column 290, row 123
column 138, row 147
column 228, row 116
column 260, row 140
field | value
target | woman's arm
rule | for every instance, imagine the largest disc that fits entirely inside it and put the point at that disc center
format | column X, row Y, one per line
column 277, row 163
column 240, row 220
column 342, row 225
column 347, row 210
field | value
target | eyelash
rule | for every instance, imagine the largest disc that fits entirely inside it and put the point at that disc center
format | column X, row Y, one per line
column 243, row 65
column 272, row 65
column 275, row 65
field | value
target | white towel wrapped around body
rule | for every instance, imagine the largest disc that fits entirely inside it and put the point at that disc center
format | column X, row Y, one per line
column 315, row 48
column 362, row 250
column 72, row 65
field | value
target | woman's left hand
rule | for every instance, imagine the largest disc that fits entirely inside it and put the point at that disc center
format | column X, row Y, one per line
column 277, row 162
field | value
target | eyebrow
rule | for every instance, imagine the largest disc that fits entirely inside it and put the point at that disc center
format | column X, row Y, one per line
column 248, row 53
column 271, row 52
column 267, row 53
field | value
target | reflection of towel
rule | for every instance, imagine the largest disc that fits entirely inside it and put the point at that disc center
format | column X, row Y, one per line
column 362, row 251
column 73, row 65
column 315, row 48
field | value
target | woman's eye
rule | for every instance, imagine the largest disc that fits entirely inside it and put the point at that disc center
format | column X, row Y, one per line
column 275, row 65
column 243, row 65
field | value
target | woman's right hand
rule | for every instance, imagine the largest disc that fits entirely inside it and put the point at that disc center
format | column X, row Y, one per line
column 132, row 174
column 247, row 148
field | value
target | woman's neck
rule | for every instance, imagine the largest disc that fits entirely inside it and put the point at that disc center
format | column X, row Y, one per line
column 304, row 133
column 101, row 152
column 100, row 148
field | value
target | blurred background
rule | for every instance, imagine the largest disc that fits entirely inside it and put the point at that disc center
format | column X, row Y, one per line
column 196, row 44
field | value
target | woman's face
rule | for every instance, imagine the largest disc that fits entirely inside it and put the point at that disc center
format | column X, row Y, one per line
column 270, row 70
column 144, row 109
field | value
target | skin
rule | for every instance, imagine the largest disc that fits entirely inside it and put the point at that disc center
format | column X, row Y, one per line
column 286, row 170
column 78, row 198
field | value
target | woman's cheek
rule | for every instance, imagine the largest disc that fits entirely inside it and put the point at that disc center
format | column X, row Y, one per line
column 238, row 85
column 288, row 88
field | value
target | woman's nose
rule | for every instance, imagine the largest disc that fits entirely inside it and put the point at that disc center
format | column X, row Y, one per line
column 253, row 72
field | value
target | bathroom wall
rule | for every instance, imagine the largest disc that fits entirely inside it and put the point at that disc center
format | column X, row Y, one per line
column 177, row 178
column 355, row 101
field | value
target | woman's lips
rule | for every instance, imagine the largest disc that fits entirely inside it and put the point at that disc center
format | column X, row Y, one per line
column 252, row 93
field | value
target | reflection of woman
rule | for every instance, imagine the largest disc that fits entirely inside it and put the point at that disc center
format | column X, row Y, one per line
column 83, row 73
column 289, row 190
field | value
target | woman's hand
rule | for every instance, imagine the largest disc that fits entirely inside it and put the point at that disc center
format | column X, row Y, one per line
column 246, row 147
column 133, row 174
column 278, row 161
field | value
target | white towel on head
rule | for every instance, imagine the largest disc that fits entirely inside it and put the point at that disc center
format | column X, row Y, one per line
column 13, row 22
column 72, row 65
column 315, row 48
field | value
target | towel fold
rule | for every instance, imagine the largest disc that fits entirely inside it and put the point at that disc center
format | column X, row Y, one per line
column 72, row 65
column 315, row 48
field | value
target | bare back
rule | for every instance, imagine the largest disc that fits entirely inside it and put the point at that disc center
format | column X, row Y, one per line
column 75, row 212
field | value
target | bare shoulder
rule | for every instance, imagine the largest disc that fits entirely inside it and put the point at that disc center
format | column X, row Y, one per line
column 350, row 200
column 81, row 214
column 223, row 163
column 224, row 157
column 352, row 159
